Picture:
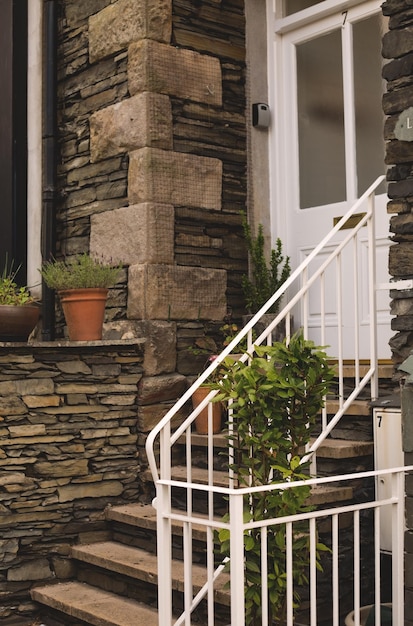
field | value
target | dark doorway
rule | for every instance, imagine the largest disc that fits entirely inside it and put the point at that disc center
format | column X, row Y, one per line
column 13, row 132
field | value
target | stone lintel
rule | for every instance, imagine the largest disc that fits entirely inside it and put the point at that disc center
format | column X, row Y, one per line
column 125, row 21
column 141, row 233
column 186, row 74
column 142, row 120
column 172, row 292
column 174, row 177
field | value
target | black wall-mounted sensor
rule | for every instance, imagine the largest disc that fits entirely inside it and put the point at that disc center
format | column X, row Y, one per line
column 260, row 115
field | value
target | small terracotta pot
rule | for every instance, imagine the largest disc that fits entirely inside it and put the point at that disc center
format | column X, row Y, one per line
column 84, row 311
column 17, row 322
column 201, row 420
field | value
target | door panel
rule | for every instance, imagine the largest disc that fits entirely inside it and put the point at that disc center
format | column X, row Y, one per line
column 332, row 150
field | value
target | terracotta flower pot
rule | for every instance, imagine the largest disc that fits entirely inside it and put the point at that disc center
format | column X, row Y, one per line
column 201, row 420
column 84, row 311
column 17, row 322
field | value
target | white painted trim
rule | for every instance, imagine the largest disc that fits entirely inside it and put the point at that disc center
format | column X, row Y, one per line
column 34, row 144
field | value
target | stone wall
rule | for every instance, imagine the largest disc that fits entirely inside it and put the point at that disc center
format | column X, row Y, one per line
column 152, row 168
column 397, row 105
column 73, row 420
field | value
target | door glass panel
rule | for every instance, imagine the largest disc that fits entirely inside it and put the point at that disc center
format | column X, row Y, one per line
column 293, row 6
column 321, row 121
column 368, row 91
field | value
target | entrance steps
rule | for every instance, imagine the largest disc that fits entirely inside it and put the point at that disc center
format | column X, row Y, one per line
column 117, row 578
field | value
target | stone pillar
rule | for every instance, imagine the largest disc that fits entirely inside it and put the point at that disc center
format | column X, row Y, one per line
column 141, row 235
column 397, row 105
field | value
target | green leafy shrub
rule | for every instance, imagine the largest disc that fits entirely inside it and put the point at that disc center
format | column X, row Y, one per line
column 265, row 279
column 275, row 399
column 79, row 272
column 11, row 293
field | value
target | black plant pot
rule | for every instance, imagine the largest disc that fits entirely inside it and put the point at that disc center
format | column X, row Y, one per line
column 17, row 322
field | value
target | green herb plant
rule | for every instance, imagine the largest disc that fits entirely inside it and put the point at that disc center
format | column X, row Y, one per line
column 11, row 293
column 265, row 278
column 79, row 272
column 275, row 399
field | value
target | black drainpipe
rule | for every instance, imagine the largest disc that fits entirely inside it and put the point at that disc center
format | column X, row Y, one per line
column 49, row 163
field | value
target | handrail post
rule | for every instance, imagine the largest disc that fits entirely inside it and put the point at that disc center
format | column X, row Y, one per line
column 372, row 295
column 397, row 486
column 237, row 559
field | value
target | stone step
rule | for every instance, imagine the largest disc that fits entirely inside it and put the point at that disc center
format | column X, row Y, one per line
column 329, row 449
column 141, row 565
column 358, row 407
column 95, row 606
column 385, row 368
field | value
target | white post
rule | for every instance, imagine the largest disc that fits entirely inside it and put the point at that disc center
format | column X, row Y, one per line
column 237, row 559
column 34, row 144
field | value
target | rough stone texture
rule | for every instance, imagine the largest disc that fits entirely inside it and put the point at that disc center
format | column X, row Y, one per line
column 140, row 233
column 117, row 25
column 173, row 71
column 173, row 293
column 142, row 120
column 160, row 348
column 62, row 464
column 172, row 177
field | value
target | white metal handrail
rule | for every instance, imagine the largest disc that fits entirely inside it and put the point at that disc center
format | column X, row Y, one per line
column 333, row 517
column 163, row 438
column 301, row 294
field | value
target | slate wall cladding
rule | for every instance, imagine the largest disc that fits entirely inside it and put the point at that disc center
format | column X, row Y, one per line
column 68, row 447
column 398, row 72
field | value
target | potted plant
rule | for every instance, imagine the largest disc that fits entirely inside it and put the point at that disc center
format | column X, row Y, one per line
column 19, row 312
column 208, row 348
column 265, row 277
column 275, row 398
column 82, row 284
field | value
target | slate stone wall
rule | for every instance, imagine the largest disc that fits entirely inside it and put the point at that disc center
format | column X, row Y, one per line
column 70, row 446
column 397, row 103
column 152, row 136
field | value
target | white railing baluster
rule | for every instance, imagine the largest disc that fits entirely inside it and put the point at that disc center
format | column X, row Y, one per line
column 397, row 489
column 313, row 572
column 356, row 555
column 289, row 571
column 264, row 576
column 335, row 581
column 377, row 565
column 237, row 559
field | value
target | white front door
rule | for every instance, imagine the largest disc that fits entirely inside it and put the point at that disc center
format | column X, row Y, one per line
column 330, row 149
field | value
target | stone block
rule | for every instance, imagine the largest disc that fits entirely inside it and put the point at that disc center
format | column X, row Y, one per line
column 171, row 292
column 125, row 21
column 174, row 178
column 396, row 44
column 151, row 414
column 185, row 74
column 75, row 467
column 141, row 233
column 155, row 389
column 32, row 570
column 69, row 493
column 35, row 386
column 160, row 348
column 143, row 120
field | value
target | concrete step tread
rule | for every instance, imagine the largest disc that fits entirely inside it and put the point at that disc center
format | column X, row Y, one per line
column 329, row 449
column 144, row 516
column 344, row 449
column 95, row 606
column 320, row 494
column 142, row 565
